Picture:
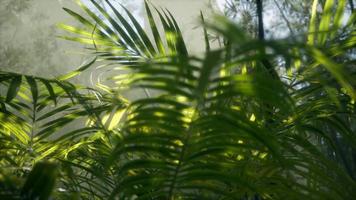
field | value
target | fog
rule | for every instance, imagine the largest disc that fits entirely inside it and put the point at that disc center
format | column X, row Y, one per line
column 28, row 32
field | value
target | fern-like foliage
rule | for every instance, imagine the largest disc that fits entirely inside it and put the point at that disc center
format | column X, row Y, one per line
column 253, row 120
column 45, row 120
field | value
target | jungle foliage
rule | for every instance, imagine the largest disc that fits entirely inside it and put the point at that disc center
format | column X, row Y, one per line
column 255, row 119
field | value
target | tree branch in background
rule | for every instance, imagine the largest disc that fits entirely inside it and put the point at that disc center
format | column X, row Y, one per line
column 261, row 36
column 284, row 17
column 261, row 31
column 352, row 5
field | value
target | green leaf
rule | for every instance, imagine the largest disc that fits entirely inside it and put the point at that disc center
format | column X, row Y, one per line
column 337, row 70
column 40, row 182
column 155, row 32
column 325, row 22
column 14, row 87
column 77, row 72
column 338, row 18
column 34, row 90
column 146, row 41
column 131, row 32
column 206, row 36
column 50, row 90
column 313, row 23
column 212, row 60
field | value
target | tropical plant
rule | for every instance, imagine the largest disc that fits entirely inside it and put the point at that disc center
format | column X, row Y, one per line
column 255, row 119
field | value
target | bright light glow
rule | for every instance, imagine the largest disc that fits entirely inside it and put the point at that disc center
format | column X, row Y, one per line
column 221, row 4
column 253, row 118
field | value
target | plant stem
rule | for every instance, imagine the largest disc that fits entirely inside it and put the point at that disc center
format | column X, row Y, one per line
column 33, row 125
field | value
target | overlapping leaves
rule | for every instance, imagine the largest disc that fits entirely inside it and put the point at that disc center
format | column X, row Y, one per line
column 217, row 127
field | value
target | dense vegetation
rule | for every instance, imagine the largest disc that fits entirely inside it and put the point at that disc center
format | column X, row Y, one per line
column 254, row 119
